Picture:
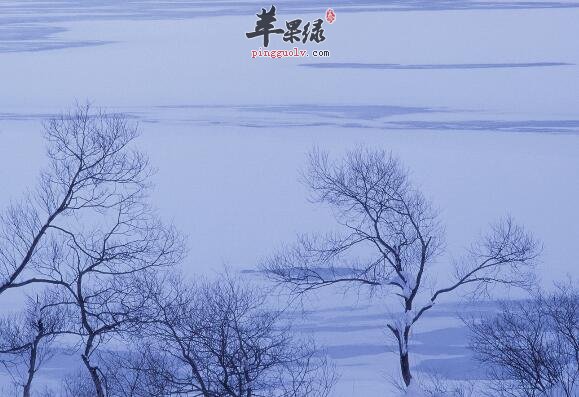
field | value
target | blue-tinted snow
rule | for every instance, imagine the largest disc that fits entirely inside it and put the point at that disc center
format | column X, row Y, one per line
column 478, row 99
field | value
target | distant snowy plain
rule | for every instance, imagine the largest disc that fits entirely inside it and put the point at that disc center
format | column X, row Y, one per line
column 479, row 99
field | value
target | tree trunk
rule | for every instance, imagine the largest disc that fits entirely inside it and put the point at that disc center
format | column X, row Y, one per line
column 31, row 366
column 28, row 385
column 405, row 368
column 94, row 375
column 404, row 358
column 402, row 338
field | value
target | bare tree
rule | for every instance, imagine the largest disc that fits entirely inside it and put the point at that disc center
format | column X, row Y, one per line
column 26, row 341
column 217, row 339
column 89, row 230
column 102, row 272
column 397, row 232
column 90, row 163
column 531, row 348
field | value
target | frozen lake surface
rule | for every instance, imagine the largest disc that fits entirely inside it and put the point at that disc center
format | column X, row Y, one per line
column 479, row 99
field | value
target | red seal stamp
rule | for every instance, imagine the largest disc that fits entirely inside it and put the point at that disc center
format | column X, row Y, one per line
column 330, row 15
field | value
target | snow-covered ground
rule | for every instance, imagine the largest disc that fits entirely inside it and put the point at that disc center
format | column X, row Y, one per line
column 478, row 99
